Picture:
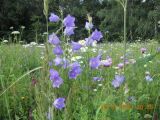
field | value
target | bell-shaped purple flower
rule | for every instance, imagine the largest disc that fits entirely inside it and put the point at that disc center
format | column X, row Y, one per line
column 89, row 41
column 55, row 78
column 119, row 79
column 75, row 46
column 53, row 74
column 58, row 50
column 53, row 18
column 57, row 82
column 53, row 39
column 94, row 63
column 88, row 26
column 58, row 61
column 69, row 31
column 75, row 70
column 69, row 21
column 59, row 103
column 96, row 35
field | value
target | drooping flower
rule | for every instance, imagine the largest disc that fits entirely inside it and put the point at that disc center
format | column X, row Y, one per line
column 53, row 39
column 53, row 18
column 57, row 82
column 94, row 63
column 69, row 31
column 96, row 35
column 57, row 61
column 89, row 41
column 75, row 46
column 55, row 78
column 75, row 70
column 53, row 74
column 143, row 50
column 69, row 21
column 58, row 50
column 59, row 103
column 118, row 80
column 88, row 26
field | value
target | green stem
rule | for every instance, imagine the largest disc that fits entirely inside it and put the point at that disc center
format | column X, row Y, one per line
column 125, row 33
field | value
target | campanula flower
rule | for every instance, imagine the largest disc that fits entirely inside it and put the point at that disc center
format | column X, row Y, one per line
column 55, row 78
column 88, row 26
column 57, row 61
column 53, row 18
column 118, row 80
column 89, row 41
column 75, row 46
column 94, row 63
column 53, row 39
column 96, row 35
column 59, row 103
column 58, row 50
column 75, row 70
column 69, row 31
column 69, row 21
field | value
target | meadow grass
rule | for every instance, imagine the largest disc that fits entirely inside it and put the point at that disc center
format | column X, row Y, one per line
column 32, row 96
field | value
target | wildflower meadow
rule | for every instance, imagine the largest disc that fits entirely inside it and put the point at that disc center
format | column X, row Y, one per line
column 62, row 78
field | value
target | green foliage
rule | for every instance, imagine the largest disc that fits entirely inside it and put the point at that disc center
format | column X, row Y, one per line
column 25, row 100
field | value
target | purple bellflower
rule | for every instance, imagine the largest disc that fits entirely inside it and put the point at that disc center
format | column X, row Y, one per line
column 89, row 41
column 58, row 50
column 76, row 46
column 96, row 35
column 69, row 31
column 69, row 21
column 53, row 39
column 119, row 79
column 59, row 103
column 88, row 26
column 94, row 62
column 75, row 70
column 57, row 61
column 53, row 18
column 55, row 78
